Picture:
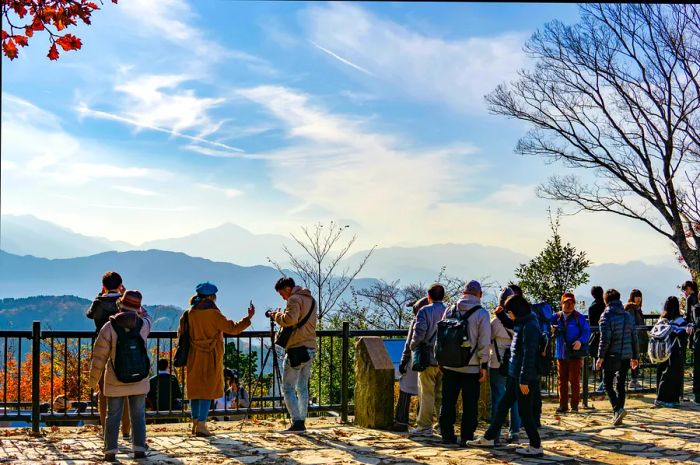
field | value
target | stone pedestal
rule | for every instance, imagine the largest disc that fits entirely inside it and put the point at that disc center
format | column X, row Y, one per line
column 374, row 384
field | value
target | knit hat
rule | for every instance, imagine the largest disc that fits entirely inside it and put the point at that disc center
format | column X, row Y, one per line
column 206, row 288
column 518, row 305
column 505, row 293
column 131, row 300
column 567, row 296
column 472, row 287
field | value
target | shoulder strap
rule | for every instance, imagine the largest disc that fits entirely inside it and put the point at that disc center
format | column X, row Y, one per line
column 303, row 321
column 498, row 355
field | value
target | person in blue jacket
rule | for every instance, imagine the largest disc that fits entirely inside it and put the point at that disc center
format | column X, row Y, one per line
column 522, row 378
column 572, row 332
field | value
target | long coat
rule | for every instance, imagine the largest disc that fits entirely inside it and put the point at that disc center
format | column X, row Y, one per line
column 204, row 378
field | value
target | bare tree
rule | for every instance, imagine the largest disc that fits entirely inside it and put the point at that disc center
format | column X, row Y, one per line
column 382, row 305
column 618, row 94
column 318, row 264
column 454, row 287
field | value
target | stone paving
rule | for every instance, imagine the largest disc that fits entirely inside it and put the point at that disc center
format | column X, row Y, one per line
column 649, row 436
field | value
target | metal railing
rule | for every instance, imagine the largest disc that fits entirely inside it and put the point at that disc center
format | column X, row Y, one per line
column 39, row 366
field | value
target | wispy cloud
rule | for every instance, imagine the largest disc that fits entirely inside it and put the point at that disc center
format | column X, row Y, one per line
column 341, row 59
column 227, row 191
column 136, row 191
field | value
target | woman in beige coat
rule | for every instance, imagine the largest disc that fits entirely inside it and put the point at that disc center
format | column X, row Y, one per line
column 205, row 361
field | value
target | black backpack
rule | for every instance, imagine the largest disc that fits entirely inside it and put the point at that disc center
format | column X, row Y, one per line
column 131, row 363
column 453, row 348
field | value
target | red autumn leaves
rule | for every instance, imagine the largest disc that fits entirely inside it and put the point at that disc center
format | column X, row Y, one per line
column 25, row 17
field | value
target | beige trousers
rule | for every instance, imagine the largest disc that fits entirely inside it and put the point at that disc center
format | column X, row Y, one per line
column 429, row 395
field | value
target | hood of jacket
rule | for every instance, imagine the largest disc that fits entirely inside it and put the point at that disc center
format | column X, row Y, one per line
column 467, row 302
column 615, row 306
column 125, row 319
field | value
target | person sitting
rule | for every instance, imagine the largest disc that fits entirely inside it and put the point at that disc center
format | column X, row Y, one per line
column 235, row 396
column 165, row 393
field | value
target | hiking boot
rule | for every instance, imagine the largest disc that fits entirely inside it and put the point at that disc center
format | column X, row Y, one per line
column 481, row 442
column 562, row 409
column 298, row 427
column 110, row 457
column 139, row 455
column 202, row 431
column 427, row 431
column 619, row 416
column 530, row 451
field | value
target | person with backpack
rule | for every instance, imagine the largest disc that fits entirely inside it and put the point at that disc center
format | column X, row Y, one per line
column 429, row 375
column 522, row 378
column 667, row 344
column 120, row 353
column 618, row 350
column 101, row 309
column 206, row 326
column 634, row 307
column 572, row 332
column 595, row 310
column 470, row 350
column 408, row 382
column 692, row 317
column 499, row 362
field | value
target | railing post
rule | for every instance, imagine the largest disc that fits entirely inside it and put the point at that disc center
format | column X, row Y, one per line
column 344, row 373
column 586, row 374
column 36, row 361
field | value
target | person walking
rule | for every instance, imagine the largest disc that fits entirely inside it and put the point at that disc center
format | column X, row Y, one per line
column 594, row 312
column 572, row 332
column 408, row 382
column 522, row 379
column 669, row 374
column 617, row 351
column 466, row 379
column 692, row 317
column 120, row 361
column 204, row 377
column 430, row 379
column 634, row 307
column 301, row 314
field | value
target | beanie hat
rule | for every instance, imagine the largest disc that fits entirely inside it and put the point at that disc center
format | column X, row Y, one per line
column 131, row 300
column 518, row 305
column 206, row 288
column 505, row 293
column 472, row 287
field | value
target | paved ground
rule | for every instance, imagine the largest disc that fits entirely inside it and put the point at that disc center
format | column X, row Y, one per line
column 649, row 436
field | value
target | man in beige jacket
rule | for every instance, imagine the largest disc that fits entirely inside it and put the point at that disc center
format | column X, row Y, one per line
column 130, row 318
column 302, row 314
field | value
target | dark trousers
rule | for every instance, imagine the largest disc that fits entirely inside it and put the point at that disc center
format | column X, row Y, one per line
column 615, row 382
column 696, row 367
column 669, row 377
column 403, row 406
column 536, row 392
column 525, row 409
column 452, row 383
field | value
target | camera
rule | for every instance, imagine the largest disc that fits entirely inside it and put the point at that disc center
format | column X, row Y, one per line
column 268, row 313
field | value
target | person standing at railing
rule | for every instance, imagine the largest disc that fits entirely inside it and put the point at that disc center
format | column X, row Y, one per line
column 594, row 313
column 669, row 374
column 101, row 309
column 572, row 331
column 120, row 353
column 634, row 307
column 204, row 377
column 617, row 351
column 301, row 314
column 692, row 316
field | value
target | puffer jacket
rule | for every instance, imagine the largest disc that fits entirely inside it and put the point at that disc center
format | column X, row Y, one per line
column 618, row 333
column 524, row 349
column 479, row 333
column 104, row 352
column 425, row 327
column 569, row 329
column 104, row 306
column 298, row 305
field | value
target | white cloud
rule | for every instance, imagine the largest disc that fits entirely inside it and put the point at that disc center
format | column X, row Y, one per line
column 8, row 165
column 512, row 195
column 227, row 191
column 457, row 73
column 136, row 191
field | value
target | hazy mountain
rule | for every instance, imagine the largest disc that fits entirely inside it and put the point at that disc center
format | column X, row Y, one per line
column 227, row 242
column 67, row 312
column 28, row 235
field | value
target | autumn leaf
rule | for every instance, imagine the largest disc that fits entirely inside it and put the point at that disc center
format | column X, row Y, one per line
column 10, row 49
column 29, row 31
column 21, row 40
column 37, row 25
column 69, row 42
column 53, row 53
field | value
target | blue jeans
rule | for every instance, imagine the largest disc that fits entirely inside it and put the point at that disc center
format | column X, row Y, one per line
column 137, row 413
column 498, row 389
column 200, row 409
column 295, row 387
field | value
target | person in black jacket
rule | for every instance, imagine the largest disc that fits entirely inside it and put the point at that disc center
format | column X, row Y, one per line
column 690, row 289
column 104, row 306
column 618, row 350
column 594, row 313
column 165, row 393
column 522, row 378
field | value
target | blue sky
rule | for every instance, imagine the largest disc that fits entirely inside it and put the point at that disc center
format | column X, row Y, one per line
column 179, row 116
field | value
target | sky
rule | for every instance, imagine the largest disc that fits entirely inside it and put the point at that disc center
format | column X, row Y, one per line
column 179, row 116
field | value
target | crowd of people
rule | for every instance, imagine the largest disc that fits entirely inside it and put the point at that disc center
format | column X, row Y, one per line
column 513, row 346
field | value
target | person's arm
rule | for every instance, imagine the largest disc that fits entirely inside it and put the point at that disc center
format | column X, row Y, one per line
column 505, row 319
column 406, row 354
column 92, row 310
column 181, row 324
column 291, row 314
column 531, row 343
column 635, row 340
column 420, row 329
column 100, row 354
column 586, row 330
column 483, row 345
column 230, row 326
column 604, row 328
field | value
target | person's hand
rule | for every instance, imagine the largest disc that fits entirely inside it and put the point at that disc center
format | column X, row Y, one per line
column 525, row 389
column 689, row 330
column 577, row 345
column 634, row 364
column 599, row 364
column 251, row 310
column 498, row 309
column 482, row 378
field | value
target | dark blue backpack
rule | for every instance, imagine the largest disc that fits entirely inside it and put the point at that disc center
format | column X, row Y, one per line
column 131, row 363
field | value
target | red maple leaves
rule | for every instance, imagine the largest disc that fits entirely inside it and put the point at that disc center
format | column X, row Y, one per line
column 52, row 16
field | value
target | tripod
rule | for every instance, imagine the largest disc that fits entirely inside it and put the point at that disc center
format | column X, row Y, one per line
column 276, row 374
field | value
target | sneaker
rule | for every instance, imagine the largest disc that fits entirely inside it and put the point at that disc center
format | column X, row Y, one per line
column 530, row 451
column 618, row 417
column 658, row 403
column 574, row 409
column 634, row 385
column 428, row 431
column 675, row 405
column 139, row 455
column 481, row 442
column 449, row 441
column 561, row 409
column 110, row 458
column 298, row 427
column 513, row 438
